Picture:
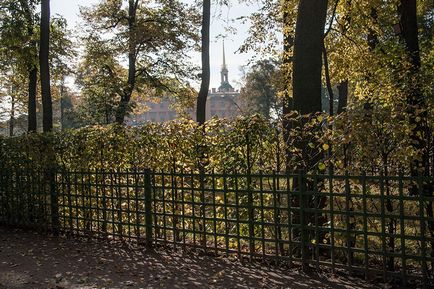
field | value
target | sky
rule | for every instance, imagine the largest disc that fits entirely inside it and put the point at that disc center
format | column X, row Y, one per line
column 221, row 15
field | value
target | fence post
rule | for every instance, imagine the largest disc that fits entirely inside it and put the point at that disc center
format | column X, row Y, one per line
column 54, row 202
column 304, row 239
column 148, row 207
column 250, row 200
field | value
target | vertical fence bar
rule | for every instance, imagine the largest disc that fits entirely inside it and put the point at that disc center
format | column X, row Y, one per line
column 83, row 202
column 154, row 205
column 279, row 215
column 163, row 196
column 174, row 195
column 61, row 191
column 251, row 214
column 237, row 216
column 288, row 200
column 89, row 202
column 54, row 202
column 137, row 202
column 148, row 207
column 119, row 198
column 193, row 207
column 104, row 203
column 225, row 204
column 383, row 229
column 316, row 196
column 128, row 196
column 402, row 232
column 261, row 191
column 304, row 242
column 214, row 212
column 97, row 204
column 275, row 218
column 184, row 234
column 349, row 227
column 2, row 201
column 18, row 194
column 250, row 209
column 422, row 231
column 69, row 197
column 365, row 224
column 202, row 210
column 9, row 199
column 332, row 220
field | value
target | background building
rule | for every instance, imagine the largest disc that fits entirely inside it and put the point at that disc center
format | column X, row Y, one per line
column 223, row 102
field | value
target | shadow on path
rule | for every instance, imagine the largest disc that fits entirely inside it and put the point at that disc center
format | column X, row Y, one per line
column 32, row 260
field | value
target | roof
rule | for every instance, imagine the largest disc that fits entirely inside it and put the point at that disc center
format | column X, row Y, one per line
column 225, row 86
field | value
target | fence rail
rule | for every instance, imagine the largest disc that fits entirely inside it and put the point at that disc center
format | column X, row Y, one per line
column 366, row 224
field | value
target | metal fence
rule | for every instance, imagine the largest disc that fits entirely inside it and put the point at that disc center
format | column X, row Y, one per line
column 366, row 224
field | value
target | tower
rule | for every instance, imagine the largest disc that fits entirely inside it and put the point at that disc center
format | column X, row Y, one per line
column 224, row 86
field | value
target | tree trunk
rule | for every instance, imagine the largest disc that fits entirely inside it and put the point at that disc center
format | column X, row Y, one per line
column 205, row 78
column 415, row 99
column 328, row 81
column 288, row 43
column 343, row 86
column 131, row 82
column 343, row 96
column 12, row 113
column 306, row 82
column 62, row 104
column 31, row 109
column 417, row 111
column 372, row 35
column 307, row 65
column 47, row 106
column 373, row 42
column 31, row 68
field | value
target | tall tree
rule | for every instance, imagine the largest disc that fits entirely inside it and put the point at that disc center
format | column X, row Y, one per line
column 418, row 112
column 153, row 36
column 99, row 75
column 205, row 76
column 415, row 98
column 19, row 41
column 62, row 52
column 47, row 106
column 131, row 81
column 13, row 87
column 32, row 69
column 259, row 91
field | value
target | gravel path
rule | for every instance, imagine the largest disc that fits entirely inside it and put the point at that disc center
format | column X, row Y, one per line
column 33, row 260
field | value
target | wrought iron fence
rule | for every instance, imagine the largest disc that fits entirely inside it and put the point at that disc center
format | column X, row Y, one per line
column 367, row 224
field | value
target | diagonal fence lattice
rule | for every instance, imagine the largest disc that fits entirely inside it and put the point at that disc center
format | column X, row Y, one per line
column 369, row 224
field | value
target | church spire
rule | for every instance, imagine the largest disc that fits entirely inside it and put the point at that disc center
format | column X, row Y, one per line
column 225, row 86
column 224, row 57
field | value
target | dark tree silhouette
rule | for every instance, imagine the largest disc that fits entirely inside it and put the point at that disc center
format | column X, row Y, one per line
column 47, row 106
column 205, row 77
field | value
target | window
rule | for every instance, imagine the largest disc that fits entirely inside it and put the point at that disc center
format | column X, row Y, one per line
column 152, row 115
column 162, row 116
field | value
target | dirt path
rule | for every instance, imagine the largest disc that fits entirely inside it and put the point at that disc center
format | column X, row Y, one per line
column 32, row 260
